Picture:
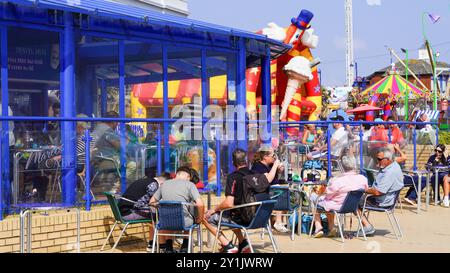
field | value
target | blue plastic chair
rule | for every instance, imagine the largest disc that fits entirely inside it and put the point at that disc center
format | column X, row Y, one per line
column 350, row 205
column 282, row 194
column 389, row 211
column 260, row 220
column 170, row 217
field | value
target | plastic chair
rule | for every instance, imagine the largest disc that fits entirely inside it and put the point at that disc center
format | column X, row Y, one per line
column 260, row 220
column 282, row 195
column 113, row 203
column 350, row 205
column 170, row 217
column 388, row 210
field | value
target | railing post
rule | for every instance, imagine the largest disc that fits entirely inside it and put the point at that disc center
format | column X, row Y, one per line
column 87, row 166
column 218, row 173
column 415, row 149
column 361, row 148
column 437, row 134
column 329, row 151
column 158, row 152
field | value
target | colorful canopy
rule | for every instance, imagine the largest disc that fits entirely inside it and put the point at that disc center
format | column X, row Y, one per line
column 394, row 87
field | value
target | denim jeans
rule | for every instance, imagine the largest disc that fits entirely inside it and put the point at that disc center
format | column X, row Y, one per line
column 412, row 194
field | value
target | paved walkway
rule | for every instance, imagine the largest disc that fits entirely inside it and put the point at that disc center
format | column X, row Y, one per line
column 425, row 232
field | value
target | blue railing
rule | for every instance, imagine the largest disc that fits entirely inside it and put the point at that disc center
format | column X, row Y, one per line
column 282, row 126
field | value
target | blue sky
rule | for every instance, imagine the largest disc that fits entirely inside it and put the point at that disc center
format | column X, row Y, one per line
column 376, row 24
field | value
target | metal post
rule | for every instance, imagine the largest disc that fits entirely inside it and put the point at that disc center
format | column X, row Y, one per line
column 266, row 94
column 361, row 149
column 437, row 134
column 4, row 141
column 329, row 152
column 406, row 87
column 166, row 109
column 415, row 150
column 123, row 143
column 103, row 97
column 205, row 103
column 218, row 163
column 67, row 111
column 241, row 94
column 87, row 166
column 158, row 152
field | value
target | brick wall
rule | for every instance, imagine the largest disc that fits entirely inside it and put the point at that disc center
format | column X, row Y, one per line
column 56, row 232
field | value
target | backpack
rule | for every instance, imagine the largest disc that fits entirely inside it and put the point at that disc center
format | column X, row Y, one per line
column 253, row 186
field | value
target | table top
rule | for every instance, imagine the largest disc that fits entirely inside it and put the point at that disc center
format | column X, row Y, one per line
column 417, row 171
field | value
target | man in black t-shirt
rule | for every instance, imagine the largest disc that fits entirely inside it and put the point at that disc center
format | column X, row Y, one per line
column 233, row 197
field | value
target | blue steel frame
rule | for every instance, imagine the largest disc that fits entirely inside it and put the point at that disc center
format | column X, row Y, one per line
column 4, row 171
column 67, row 22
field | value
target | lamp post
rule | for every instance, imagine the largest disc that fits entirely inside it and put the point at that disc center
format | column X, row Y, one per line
column 434, row 18
column 406, row 85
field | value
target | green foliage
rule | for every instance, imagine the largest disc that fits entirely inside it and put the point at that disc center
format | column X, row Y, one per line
column 444, row 137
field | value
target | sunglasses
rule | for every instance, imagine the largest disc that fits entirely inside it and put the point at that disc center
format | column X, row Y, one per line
column 380, row 159
column 438, row 151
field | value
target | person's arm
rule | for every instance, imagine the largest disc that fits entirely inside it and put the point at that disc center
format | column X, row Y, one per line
column 374, row 191
column 227, row 203
column 402, row 158
column 305, row 136
column 200, row 210
column 273, row 172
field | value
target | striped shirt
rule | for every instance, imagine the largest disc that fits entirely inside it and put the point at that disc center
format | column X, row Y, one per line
column 81, row 149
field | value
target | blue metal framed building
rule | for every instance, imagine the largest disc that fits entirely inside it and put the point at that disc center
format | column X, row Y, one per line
column 83, row 48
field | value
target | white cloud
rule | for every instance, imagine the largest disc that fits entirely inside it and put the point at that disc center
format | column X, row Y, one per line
column 373, row 2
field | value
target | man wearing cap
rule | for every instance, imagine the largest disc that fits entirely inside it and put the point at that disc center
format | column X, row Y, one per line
column 339, row 140
column 379, row 134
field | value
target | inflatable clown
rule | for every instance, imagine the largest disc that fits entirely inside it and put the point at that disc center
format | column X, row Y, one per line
column 295, row 84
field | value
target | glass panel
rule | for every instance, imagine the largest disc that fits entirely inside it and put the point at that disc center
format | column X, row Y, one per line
column 144, row 99
column 97, row 95
column 185, row 90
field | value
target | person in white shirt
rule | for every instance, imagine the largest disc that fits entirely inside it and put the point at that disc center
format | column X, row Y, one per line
column 338, row 142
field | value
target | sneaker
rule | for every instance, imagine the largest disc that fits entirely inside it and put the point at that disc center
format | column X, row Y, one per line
column 280, row 228
column 369, row 230
column 318, row 234
column 332, row 233
column 409, row 201
column 230, row 248
column 445, row 203
column 244, row 247
column 149, row 246
column 183, row 250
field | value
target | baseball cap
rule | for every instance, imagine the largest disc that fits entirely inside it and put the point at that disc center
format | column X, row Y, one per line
column 378, row 120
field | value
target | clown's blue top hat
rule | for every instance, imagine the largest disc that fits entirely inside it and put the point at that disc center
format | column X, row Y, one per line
column 303, row 19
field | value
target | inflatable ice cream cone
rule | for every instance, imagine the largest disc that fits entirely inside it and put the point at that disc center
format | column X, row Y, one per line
column 298, row 71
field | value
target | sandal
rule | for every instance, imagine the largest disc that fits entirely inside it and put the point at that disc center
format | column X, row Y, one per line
column 318, row 234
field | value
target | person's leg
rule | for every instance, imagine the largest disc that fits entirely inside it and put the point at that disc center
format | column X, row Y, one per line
column 330, row 219
column 317, row 222
column 446, row 184
column 212, row 228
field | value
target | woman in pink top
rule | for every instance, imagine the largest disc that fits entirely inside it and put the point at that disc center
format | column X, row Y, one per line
column 335, row 194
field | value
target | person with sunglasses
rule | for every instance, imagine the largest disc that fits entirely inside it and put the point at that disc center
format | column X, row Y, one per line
column 263, row 162
column 385, row 187
column 437, row 159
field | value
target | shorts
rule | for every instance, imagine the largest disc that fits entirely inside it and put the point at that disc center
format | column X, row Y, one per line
column 139, row 215
column 214, row 219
